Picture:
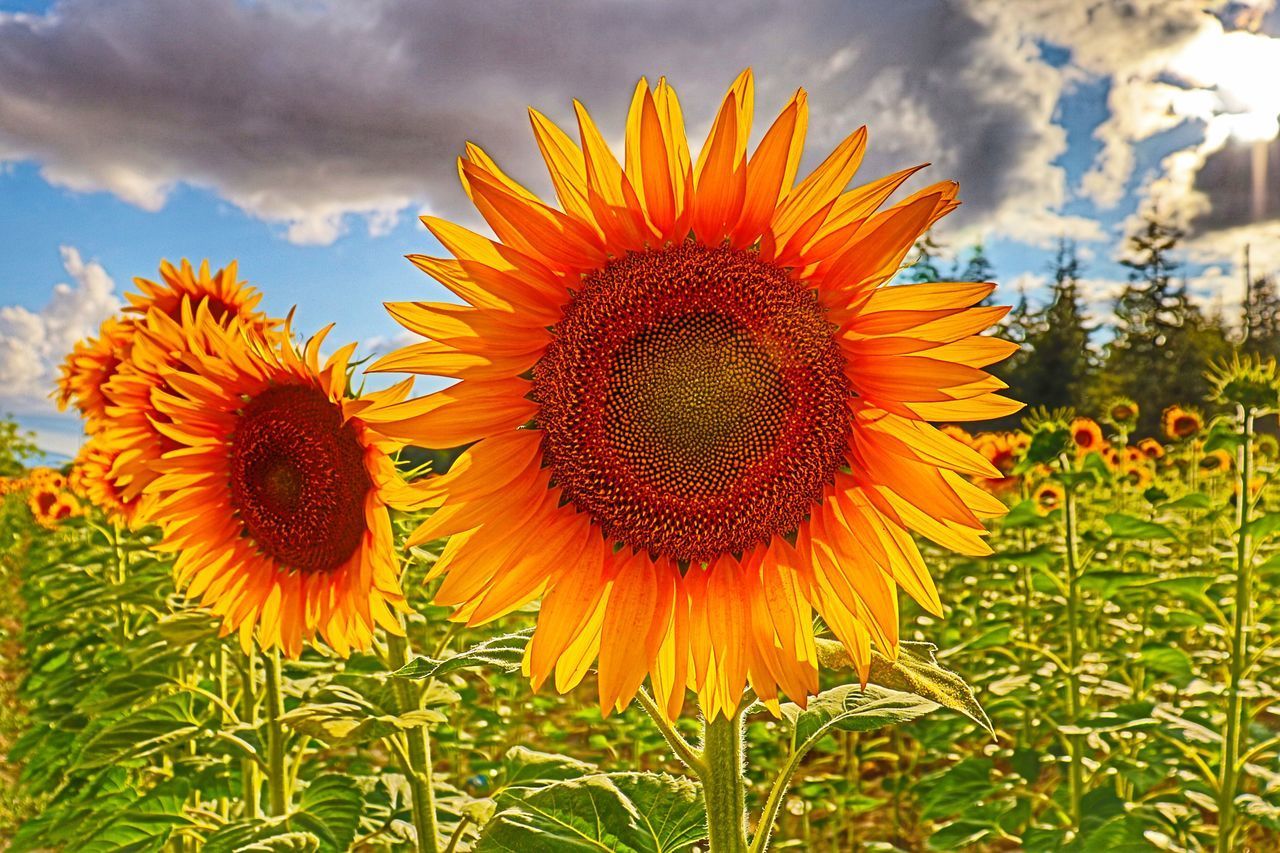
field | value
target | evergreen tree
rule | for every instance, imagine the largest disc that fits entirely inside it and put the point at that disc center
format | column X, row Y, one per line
column 1055, row 366
column 1262, row 318
column 1163, row 343
column 925, row 267
column 977, row 268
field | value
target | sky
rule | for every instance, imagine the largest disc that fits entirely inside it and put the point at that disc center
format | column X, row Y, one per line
column 303, row 139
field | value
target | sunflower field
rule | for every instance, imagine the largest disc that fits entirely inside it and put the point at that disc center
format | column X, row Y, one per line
column 702, row 544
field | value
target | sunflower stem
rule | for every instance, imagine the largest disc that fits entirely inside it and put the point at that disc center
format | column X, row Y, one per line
column 685, row 751
column 250, row 769
column 277, row 776
column 1076, row 770
column 723, row 785
column 1233, row 739
column 418, row 767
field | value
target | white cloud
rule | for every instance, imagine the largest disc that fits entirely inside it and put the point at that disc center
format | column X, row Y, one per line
column 311, row 115
column 33, row 343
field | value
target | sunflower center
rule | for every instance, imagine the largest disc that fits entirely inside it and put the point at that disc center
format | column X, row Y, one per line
column 693, row 401
column 298, row 480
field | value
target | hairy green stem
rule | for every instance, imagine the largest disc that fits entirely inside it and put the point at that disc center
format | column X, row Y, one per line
column 723, row 785
column 1233, row 740
column 250, row 770
column 1076, row 770
column 418, row 769
column 277, row 775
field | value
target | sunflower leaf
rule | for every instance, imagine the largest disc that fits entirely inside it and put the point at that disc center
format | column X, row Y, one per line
column 916, row 671
column 851, row 708
column 505, row 652
column 624, row 812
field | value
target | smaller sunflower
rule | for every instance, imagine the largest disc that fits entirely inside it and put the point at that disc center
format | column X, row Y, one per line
column 159, row 343
column 1048, row 497
column 1215, row 462
column 959, row 433
column 89, row 366
column 1111, row 457
column 1002, row 450
column 91, row 479
column 1180, row 423
column 274, row 493
column 222, row 292
column 50, row 505
column 1123, row 412
column 1137, row 475
column 1086, row 435
column 1151, row 448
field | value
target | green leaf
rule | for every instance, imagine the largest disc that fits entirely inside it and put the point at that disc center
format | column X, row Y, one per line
column 1168, row 661
column 852, row 708
column 1264, row 525
column 1024, row 515
column 166, row 723
column 347, row 718
column 623, row 812
column 1127, row 527
column 523, row 767
column 326, row 819
column 505, row 652
column 916, row 671
column 1195, row 500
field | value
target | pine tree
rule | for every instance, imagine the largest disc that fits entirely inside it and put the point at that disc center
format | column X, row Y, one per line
column 977, row 268
column 925, row 267
column 1056, row 366
column 1262, row 318
column 1163, row 343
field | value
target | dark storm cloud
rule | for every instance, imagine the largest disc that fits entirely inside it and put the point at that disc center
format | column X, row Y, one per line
column 305, row 114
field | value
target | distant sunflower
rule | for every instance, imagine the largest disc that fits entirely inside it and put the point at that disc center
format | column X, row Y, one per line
column 89, row 366
column 1151, row 448
column 274, row 493
column 695, row 412
column 91, row 479
column 1002, row 450
column 1180, row 423
column 49, row 505
column 1087, row 436
column 1048, row 497
column 1215, row 462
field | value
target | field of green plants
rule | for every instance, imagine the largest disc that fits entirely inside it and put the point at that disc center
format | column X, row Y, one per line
column 1118, row 644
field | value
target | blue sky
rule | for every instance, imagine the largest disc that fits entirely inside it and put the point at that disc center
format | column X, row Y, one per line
column 303, row 139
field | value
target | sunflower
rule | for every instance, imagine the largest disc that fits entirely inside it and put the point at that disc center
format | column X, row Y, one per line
column 1215, row 462
column 695, row 414
column 960, row 434
column 1151, row 448
column 177, row 318
column 1087, row 436
column 1122, row 412
column 87, row 368
column 1180, row 423
column 40, row 500
column 50, row 505
column 1048, row 497
column 273, row 492
column 91, row 479
column 222, row 293
column 1138, row 475
column 1002, row 450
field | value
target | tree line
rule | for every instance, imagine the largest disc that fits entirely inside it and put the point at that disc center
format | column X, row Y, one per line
column 1155, row 350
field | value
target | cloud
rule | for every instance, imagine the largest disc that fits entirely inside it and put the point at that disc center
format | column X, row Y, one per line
column 318, row 117
column 33, row 343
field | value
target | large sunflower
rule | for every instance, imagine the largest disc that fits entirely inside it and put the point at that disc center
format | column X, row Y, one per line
column 274, row 492
column 695, row 413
